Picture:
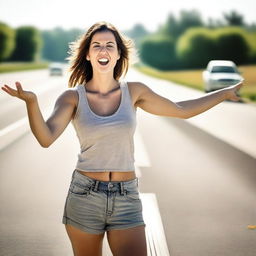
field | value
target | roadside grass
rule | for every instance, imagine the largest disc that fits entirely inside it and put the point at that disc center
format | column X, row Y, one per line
column 193, row 78
column 6, row 67
column 249, row 89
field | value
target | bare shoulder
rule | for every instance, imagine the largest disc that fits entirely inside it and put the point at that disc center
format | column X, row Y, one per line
column 69, row 96
column 137, row 86
column 137, row 89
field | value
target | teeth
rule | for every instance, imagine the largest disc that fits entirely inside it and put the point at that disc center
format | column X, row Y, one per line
column 103, row 60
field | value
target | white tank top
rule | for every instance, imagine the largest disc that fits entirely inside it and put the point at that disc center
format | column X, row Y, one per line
column 106, row 142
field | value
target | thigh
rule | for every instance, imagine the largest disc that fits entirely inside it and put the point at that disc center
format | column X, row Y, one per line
column 126, row 242
column 85, row 244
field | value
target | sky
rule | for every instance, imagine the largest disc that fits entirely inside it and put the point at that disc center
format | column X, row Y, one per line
column 48, row 14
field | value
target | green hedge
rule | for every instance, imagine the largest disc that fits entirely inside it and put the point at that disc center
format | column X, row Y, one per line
column 7, row 41
column 159, row 52
column 28, row 44
column 197, row 46
column 251, row 39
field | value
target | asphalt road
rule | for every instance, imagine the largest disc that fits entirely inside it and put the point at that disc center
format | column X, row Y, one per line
column 47, row 89
column 205, row 190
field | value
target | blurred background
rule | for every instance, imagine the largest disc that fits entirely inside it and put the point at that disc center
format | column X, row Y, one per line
column 202, row 171
column 168, row 36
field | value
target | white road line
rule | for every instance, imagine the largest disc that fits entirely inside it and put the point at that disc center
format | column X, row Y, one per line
column 155, row 236
column 13, row 126
column 157, row 244
column 13, row 131
column 106, row 248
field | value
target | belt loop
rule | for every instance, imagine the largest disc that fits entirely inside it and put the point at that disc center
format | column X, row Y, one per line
column 122, row 188
column 96, row 185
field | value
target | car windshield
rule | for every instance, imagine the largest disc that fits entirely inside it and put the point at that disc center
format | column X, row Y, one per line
column 223, row 69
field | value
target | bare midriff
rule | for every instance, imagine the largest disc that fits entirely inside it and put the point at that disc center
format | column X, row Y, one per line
column 110, row 176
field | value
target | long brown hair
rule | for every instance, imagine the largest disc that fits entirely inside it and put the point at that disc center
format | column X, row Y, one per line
column 81, row 69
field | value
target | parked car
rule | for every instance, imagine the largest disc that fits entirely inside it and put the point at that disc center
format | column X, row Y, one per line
column 56, row 69
column 220, row 74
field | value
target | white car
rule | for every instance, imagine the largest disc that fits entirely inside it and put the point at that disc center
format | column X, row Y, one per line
column 220, row 74
column 56, row 69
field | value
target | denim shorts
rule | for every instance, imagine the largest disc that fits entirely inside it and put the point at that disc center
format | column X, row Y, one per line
column 97, row 206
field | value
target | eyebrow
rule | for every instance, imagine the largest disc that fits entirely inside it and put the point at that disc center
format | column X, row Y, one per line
column 110, row 42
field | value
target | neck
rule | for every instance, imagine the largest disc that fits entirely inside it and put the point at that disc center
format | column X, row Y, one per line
column 102, row 84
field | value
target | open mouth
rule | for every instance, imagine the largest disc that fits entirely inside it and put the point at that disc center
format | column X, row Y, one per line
column 103, row 61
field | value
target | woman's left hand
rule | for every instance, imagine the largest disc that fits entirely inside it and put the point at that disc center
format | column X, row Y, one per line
column 232, row 91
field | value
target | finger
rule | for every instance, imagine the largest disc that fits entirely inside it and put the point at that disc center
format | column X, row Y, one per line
column 9, row 90
column 235, row 98
column 8, row 87
column 18, row 83
column 19, row 87
column 239, row 99
column 4, row 89
column 238, row 96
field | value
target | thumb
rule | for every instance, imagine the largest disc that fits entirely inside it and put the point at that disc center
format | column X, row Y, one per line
column 19, row 87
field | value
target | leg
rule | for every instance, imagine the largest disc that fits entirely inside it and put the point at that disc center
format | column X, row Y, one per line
column 85, row 244
column 128, row 242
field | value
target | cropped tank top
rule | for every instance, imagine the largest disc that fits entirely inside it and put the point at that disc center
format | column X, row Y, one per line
column 106, row 142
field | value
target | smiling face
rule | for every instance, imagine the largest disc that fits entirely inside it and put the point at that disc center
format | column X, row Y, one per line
column 103, row 52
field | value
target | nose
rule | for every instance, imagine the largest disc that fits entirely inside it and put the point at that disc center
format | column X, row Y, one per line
column 103, row 48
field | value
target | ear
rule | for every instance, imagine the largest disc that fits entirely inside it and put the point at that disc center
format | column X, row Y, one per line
column 119, row 54
column 88, row 58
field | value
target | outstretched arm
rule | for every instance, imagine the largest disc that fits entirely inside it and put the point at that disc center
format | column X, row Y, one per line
column 158, row 105
column 46, row 132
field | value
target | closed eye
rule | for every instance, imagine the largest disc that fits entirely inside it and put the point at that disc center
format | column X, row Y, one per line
column 108, row 46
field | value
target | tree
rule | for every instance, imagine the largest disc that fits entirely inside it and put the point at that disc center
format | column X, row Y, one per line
column 215, row 23
column 189, row 19
column 176, row 27
column 234, row 19
column 171, row 27
column 28, row 44
column 137, row 33
column 7, row 42
column 56, row 43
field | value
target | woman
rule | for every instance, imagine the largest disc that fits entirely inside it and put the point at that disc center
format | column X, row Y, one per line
column 103, row 194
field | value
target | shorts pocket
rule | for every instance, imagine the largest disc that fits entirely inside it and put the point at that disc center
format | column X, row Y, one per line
column 80, row 190
column 132, row 196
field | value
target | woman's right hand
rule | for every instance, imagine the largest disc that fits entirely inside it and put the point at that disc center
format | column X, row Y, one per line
column 27, row 96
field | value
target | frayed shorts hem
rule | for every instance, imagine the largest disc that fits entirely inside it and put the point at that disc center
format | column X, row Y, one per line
column 134, row 225
column 68, row 221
